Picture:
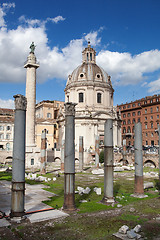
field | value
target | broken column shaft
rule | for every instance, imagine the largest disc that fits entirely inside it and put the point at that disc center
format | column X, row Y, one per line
column 124, row 152
column 97, row 151
column 108, row 162
column 69, row 159
column 18, row 165
column 81, row 153
column 139, row 189
column 43, row 152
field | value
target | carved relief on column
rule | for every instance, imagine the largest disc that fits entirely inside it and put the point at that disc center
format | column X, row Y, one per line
column 20, row 102
column 70, row 109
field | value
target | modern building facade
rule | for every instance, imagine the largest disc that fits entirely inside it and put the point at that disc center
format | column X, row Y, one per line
column 146, row 111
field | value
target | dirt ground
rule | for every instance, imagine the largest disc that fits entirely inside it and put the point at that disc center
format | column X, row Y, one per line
column 94, row 225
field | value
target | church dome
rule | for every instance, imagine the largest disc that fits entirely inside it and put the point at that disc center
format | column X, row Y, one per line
column 88, row 71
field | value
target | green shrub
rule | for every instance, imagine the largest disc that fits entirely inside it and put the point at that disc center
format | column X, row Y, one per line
column 101, row 157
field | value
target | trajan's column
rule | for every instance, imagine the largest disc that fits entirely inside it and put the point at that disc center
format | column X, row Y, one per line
column 31, row 66
column 32, row 153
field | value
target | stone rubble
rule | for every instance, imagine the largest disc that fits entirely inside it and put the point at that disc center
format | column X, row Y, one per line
column 123, row 229
column 97, row 171
column 150, row 174
column 83, row 201
column 3, row 169
column 33, row 176
column 137, row 228
column 148, row 185
column 131, row 234
column 98, row 191
column 126, row 234
column 83, row 191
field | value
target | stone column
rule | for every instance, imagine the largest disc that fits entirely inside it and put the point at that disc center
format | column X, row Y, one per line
column 81, row 153
column 69, row 160
column 108, row 162
column 43, row 152
column 139, row 189
column 124, row 152
column 18, row 164
column 97, row 151
column 62, row 155
column 31, row 66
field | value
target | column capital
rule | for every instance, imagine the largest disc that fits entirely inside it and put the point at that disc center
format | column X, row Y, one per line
column 70, row 109
column 20, row 102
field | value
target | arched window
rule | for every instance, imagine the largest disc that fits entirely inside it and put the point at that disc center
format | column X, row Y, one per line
column 49, row 115
column 91, row 56
column 8, row 146
column 99, row 97
column 87, row 57
column 8, row 136
column 1, row 128
column 124, row 130
column 129, row 130
column 80, row 97
column 8, row 128
column 1, row 136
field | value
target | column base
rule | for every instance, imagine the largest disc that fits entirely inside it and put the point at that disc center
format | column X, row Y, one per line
column 69, row 203
column 16, row 214
column 108, row 200
column 139, row 189
column 138, row 195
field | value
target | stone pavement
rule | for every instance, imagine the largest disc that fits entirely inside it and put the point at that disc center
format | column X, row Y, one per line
column 34, row 195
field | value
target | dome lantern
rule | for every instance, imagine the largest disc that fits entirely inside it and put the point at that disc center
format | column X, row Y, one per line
column 89, row 54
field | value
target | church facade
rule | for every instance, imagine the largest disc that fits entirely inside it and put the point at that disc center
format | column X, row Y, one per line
column 90, row 87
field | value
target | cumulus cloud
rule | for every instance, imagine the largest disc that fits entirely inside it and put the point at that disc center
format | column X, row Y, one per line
column 56, row 19
column 126, row 69
column 39, row 23
column 56, row 63
column 154, row 87
column 93, row 37
column 7, row 103
column 3, row 9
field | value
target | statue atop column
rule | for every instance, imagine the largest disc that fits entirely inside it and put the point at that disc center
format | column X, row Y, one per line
column 32, row 47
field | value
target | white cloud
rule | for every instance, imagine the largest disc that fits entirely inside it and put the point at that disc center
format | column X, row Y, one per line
column 127, row 69
column 59, row 63
column 38, row 23
column 3, row 9
column 7, row 103
column 30, row 22
column 56, row 19
column 154, row 87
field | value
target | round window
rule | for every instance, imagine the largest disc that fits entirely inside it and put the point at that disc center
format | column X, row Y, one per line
column 81, row 75
column 98, row 75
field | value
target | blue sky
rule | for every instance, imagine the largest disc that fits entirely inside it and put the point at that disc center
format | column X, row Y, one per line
column 124, row 33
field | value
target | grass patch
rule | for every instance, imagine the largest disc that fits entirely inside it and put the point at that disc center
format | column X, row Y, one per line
column 5, row 176
column 129, row 217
